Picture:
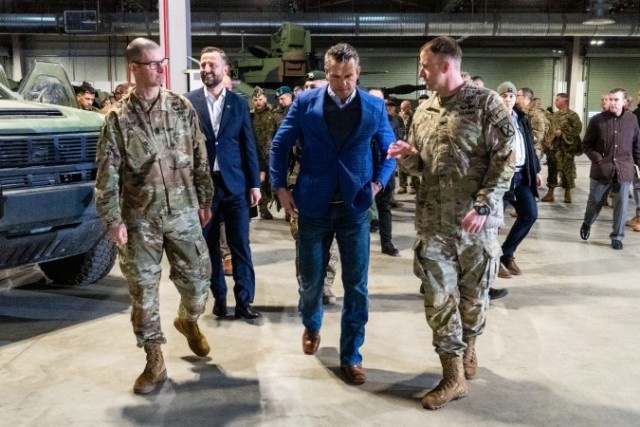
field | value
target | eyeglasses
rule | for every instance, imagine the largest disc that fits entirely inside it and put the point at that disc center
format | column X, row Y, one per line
column 153, row 65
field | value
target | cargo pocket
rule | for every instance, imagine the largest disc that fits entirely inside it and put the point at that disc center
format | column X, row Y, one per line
column 202, row 252
column 492, row 261
column 418, row 255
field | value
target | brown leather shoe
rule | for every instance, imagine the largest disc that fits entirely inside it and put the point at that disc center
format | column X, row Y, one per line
column 227, row 267
column 513, row 267
column 310, row 342
column 503, row 272
column 354, row 374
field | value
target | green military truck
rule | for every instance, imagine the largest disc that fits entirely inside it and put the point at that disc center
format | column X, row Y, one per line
column 47, row 172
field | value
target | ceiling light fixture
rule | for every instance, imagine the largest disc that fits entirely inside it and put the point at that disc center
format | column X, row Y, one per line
column 598, row 13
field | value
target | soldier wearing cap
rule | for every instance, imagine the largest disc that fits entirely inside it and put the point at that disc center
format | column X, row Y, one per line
column 265, row 126
column 285, row 98
column 314, row 79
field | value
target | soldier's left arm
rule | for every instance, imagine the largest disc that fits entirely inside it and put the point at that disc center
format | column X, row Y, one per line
column 499, row 135
column 573, row 129
column 201, row 170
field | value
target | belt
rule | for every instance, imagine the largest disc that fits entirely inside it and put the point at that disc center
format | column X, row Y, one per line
column 216, row 173
column 519, row 169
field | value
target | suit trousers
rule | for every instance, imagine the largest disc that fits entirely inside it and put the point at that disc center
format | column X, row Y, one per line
column 235, row 209
column 351, row 231
column 598, row 192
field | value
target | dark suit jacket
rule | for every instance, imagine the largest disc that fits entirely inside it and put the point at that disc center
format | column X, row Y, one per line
column 324, row 168
column 235, row 145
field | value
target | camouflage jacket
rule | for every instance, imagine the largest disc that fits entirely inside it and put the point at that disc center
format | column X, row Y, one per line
column 279, row 113
column 539, row 124
column 151, row 160
column 265, row 126
column 570, row 125
column 464, row 156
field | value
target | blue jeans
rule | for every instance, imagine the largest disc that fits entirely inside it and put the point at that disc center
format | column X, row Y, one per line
column 351, row 231
column 527, row 210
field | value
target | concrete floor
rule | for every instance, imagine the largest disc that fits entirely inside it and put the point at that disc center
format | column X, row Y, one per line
column 560, row 350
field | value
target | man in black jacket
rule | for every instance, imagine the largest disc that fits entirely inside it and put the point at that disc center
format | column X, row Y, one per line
column 523, row 191
column 612, row 143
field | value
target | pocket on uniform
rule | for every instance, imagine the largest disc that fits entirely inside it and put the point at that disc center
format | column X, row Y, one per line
column 203, row 255
column 491, row 261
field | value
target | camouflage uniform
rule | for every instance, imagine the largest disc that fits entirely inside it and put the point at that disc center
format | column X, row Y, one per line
column 403, row 176
column 153, row 176
column 567, row 145
column 265, row 126
column 539, row 125
column 465, row 159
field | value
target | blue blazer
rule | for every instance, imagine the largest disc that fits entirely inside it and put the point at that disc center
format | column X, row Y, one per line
column 235, row 146
column 324, row 168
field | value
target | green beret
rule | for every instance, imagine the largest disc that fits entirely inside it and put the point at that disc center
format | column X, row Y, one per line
column 282, row 90
column 316, row 75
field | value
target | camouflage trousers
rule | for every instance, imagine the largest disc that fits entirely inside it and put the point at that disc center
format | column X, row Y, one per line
column 403, row 179
column 180, row 237
column 566, row 168
column 266, row 195
column 456, row 273
column 333, row 257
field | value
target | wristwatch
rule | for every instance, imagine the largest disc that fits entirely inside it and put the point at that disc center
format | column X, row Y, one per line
column 482, row 210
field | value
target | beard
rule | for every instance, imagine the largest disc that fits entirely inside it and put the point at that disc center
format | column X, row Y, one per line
column 210, row 80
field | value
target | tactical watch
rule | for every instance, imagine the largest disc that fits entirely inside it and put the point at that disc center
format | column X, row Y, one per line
column 482, row 210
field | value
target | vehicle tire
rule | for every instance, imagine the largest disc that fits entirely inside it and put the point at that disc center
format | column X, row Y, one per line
column 83, row 269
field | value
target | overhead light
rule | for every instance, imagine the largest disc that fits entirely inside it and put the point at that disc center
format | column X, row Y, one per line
column 598, row 13
column 596, row 42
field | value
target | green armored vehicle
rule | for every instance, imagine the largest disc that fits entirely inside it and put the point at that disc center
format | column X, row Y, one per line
column 47, row 171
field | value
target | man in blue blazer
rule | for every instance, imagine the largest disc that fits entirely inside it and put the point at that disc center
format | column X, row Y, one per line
column 231, row 147
column 336, row 126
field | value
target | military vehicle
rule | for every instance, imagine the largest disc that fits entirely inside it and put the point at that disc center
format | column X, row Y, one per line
column 285, row 63
column 47, row 172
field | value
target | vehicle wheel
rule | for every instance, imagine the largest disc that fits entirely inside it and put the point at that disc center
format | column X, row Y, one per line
column 83, row 269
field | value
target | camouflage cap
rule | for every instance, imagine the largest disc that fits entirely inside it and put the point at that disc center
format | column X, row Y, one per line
column 282, row 90
column 315, row 75
column 258, row 92
column 507, row 87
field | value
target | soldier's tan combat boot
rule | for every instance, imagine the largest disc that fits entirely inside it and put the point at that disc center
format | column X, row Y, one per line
column 633, row 221
column 452, row 387
column 469, row 359
column 549, row 196
column 197, row 342
column 154, row 373
column 567, row 196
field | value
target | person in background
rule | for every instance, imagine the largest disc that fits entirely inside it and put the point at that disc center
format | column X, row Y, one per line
column 86, row 95
column 563, row 144
column 523, row 190
column 612, row 143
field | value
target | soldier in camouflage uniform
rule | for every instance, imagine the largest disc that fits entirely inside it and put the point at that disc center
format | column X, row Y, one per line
column 565, row 140
column 153, row 189
column 265, row 126
column 406, row 115
column 460, row 142
column 538, row 119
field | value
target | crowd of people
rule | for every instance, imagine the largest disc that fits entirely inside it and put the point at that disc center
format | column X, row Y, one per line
column 176, row 174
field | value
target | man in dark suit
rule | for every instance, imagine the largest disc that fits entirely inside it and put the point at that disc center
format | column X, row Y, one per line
column 338, row 178
column 225, row 121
